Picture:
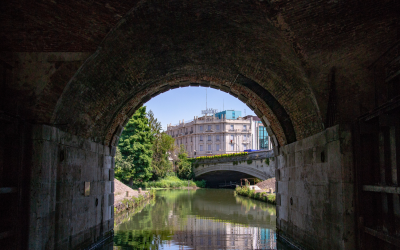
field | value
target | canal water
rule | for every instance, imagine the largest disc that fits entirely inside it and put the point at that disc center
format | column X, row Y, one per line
column 198, row 219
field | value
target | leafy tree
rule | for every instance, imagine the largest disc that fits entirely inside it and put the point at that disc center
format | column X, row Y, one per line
column 163, row 145
column 184, row 170
column 136, row 144
column 124, row 168
column 155, row 125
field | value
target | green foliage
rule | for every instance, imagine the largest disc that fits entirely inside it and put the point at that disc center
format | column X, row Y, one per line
column 220, row 156
column 267, row 161
column 249, row 162
column 124, row 167
column 163, row 146
column 135, row 144
column 262, row 196
column 154, row 124
column 174, row 182
column 184, row 170
column 235, row 162
column 200, row 184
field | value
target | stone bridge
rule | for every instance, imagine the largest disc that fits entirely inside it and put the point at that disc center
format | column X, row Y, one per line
column 255, row 164
column 323, row 77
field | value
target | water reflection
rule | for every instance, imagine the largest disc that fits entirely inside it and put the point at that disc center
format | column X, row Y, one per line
column 198, row 219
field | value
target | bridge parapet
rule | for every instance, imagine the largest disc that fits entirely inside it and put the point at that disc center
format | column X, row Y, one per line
column 253, row 164
column 258, row 155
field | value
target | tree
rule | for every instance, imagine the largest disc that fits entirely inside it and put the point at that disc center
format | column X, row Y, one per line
column 163, row 146
column 184, row 170
column 155, row 125
column 124, row 168
column 135, row 145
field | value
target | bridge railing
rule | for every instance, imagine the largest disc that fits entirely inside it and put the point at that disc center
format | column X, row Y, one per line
column 250, row 156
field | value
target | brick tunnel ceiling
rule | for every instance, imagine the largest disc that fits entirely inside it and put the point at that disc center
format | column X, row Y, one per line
column 256, row 50
column 154, row 49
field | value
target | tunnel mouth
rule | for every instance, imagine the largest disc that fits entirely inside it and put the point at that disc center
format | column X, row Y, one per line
column 224, row 178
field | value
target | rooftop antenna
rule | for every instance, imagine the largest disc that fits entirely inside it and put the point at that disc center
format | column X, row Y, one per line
column 206, row 98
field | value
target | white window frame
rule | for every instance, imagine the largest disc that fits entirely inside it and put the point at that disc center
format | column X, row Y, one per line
column 232, row 147
column 201, row 137
column 217, row 127
column 209, row 138
column 209, row 147
column 201, row 147
column 217, row 147
column 201, row 128
column 217, row 137
column 209, row 127
column 244, row 147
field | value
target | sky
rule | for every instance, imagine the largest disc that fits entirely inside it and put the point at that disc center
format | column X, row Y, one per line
column 187, row 102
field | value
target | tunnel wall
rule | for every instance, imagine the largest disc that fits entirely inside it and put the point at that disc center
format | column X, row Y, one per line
column 61, row 216
column 315, row 191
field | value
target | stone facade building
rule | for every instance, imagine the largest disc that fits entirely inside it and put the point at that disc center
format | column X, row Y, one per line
column 211, row 135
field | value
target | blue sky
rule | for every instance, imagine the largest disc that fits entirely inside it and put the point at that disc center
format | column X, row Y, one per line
column 185, row 103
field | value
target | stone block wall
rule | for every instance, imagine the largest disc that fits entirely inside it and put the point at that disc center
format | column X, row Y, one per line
column 61, row 215
column 315, row 201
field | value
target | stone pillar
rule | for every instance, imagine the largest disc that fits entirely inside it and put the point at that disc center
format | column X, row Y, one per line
column 315, row 191
column 62, row 213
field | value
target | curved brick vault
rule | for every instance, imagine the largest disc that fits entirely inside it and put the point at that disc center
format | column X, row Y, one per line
column 152, row 50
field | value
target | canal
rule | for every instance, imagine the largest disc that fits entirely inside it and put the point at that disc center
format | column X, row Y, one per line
column 198, row 219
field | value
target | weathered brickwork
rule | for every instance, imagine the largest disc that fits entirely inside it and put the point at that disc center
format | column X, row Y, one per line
column 315, row 191
column 86, row 66
column 130, row 67
column 62, row 216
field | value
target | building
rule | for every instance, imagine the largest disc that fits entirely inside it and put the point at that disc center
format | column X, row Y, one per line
column 223, row 133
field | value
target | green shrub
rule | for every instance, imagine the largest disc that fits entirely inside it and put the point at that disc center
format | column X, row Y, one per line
column 267, row 161
column 249, row 162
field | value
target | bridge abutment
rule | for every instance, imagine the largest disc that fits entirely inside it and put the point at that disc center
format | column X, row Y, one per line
column 71, row 191
column 315, row 186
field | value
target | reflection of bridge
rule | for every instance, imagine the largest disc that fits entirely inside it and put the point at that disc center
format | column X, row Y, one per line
column 255, row 164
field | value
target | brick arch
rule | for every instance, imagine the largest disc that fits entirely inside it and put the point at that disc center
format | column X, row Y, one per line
column 152, row 50
column 248, row 96
column 239, row 168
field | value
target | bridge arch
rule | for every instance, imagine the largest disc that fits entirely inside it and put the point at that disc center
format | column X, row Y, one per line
column 237, row 168
column 140, row 58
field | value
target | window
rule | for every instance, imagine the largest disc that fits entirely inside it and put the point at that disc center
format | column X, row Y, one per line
column 209, row 147
column 244, row 127
column 191, row 139
column 217, row 138
column 186, row 139
column 244, row 137
column 201, row 147
column 244, row 146
column 191, row 129
column 209, row 127
column 231, row 127
column 209, row 137
column 232, row 148
column 217, row 147
column 201, row 137
column 201, row 128
column 217, row 127
column 232, row 137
